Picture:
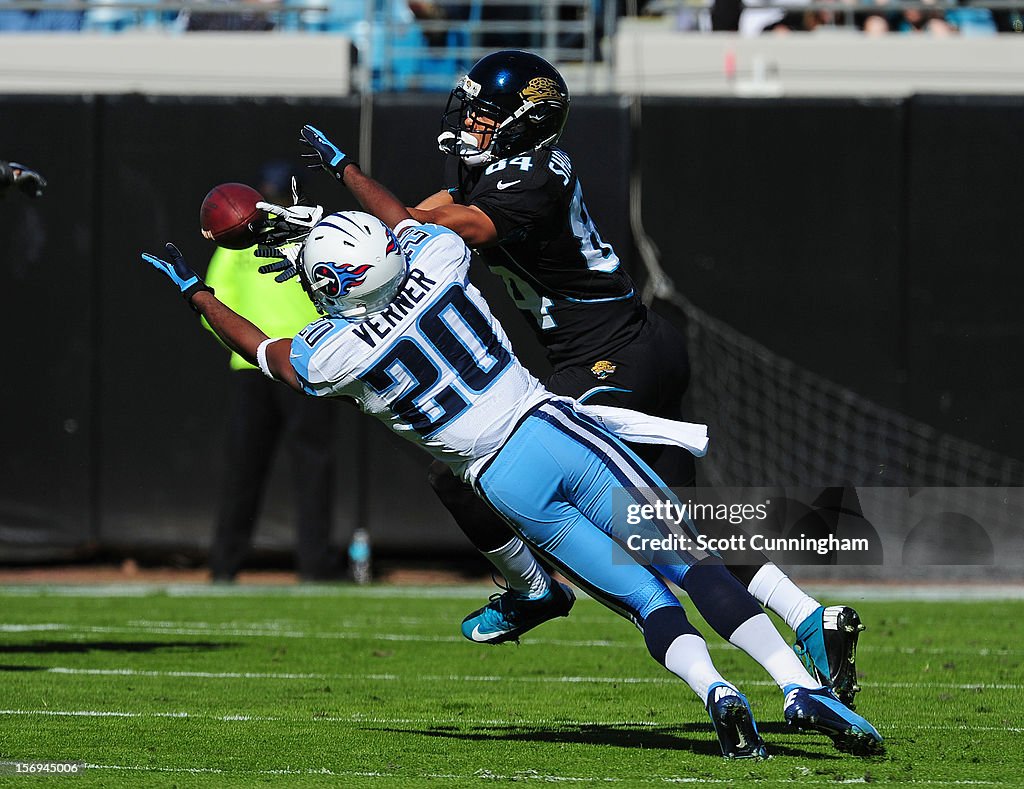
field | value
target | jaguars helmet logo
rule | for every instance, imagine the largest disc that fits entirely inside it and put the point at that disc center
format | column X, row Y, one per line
column 541, row 89
column 603, row 369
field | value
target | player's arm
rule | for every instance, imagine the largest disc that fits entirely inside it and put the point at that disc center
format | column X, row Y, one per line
column 235, row 331
column 475, row 227
column 247, row 339
column 373, row 196
column 436, row 200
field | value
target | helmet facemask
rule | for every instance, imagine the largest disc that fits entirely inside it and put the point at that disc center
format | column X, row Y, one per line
column 528, row 126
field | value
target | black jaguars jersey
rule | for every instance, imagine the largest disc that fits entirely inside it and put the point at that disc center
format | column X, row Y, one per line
column 555, row 265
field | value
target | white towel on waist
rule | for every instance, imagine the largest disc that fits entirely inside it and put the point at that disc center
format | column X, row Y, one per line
column 643, row 428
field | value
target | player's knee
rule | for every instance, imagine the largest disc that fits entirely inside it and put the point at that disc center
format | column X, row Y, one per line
column 663, row 626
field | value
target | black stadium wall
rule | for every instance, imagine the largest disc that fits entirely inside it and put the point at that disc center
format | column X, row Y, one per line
column 875, row 242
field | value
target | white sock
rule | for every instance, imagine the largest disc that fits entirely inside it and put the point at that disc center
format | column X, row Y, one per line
column 688, row 658
column 773, row 589
column 520, row 570
column 759, row 639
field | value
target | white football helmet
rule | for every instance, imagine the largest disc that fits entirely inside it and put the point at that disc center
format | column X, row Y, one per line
column 352, row 265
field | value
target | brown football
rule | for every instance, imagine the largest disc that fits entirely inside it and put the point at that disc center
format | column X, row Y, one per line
column 226, row 213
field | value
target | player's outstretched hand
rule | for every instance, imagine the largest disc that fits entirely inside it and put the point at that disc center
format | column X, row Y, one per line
column 285, row 267
column 179, row 272
column 325, row 153
column 287, row 225
column 28, row 180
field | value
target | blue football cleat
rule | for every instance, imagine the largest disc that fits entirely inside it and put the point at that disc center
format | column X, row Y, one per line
column 734, row 723
column 819, row 710
column 826, row 642
column 509, row 615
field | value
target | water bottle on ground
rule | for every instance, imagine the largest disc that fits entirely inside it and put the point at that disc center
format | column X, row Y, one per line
column 359, row 556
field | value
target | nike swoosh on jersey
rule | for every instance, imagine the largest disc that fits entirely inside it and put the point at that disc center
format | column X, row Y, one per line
column 506, row 185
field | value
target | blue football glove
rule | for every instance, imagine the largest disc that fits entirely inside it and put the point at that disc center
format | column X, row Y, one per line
column 179, row 272
column 325, row 152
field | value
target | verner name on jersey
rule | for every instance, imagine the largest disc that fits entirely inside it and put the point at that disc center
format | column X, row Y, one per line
column 379, row 326
column 555, row 264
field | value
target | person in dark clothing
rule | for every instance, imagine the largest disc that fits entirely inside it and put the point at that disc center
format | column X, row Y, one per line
column 265, row 418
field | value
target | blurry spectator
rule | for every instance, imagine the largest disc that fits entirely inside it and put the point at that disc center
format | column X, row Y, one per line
column 693, row 17
column 756, row 19
column 427, row 11
column 812, row 19
column 261, row 17
column 19, row 21
column 1010, row 20
column 725, row 15
column 876, row 18
column 971, row 21
column 759, row 16
column 925, row 20
column 264, row 416
column 836, row 14
column 113, row 16
column 501, row 14
column 875, row 25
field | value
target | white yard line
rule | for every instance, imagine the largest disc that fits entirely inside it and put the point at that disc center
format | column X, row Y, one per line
column 120, row 714
column 519, row 776
column 467, row 592
column 487, row 678
column 261, row 630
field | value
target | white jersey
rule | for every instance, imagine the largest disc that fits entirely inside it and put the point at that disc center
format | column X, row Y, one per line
column 435, row 366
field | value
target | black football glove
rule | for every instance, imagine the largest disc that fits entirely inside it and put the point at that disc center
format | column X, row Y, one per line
column 287, row 224
column 179, row 272
column 287, row 264
column 325, row 153
column 27, row 180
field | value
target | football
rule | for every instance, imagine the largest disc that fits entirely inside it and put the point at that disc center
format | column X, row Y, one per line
column 226, row 213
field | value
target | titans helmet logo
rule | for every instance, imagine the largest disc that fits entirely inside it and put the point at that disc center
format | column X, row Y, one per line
column 340, row 278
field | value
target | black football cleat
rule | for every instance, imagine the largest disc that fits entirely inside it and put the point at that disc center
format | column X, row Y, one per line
column 818, row 709
column 734, row 723
column 826, row 642
column 507, row 616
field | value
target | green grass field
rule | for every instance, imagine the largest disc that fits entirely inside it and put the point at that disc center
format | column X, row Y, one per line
column 342, row 686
